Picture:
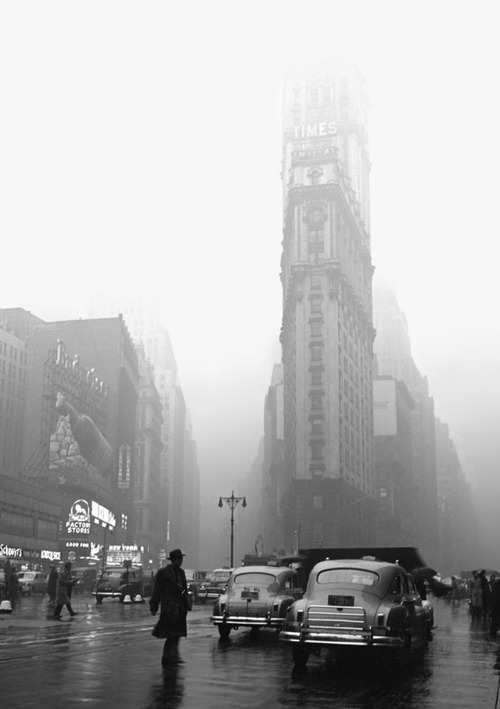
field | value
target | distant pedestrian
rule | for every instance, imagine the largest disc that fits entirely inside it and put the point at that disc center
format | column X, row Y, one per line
column 485, row 593
column 171, row 597
column 495, row 609
column 65, row 583
column 476, row 595
column 455, row 590
column 52, row 584
column 13, row 587
column 492, row 582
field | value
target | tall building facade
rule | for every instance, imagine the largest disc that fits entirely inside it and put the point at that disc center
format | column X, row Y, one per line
column 394, row 358
column 458, row 522
column 393, row 449
column 327, row 332
column 149, row 487
column 179, row 472
column 14, row 370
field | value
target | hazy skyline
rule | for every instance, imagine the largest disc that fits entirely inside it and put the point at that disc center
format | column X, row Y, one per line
column 142, row 143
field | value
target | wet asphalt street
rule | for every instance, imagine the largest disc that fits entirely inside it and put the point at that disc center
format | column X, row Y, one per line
column 106, row 657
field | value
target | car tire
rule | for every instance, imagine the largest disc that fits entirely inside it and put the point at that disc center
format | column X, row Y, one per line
column 98, row 599
column 300, row 654
column 224, row 631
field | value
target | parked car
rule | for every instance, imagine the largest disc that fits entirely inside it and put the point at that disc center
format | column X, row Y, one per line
column 86, row 576
column 256, row 597
column 3, row 587
column 194, row 580
column 360, row 603
column 32, row 582
column 214, row 584
column 119, row 582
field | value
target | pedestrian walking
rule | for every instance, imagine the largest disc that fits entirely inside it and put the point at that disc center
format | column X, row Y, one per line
column 65, row 583
column 171, row 597
column 52, row 584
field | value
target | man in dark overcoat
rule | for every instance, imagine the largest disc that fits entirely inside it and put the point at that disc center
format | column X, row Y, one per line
column 65, row 583
column 171, row 597
column 52, row 584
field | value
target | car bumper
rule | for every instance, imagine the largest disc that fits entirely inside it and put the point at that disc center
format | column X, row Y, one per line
column 342, row 637
column 248, row 621
column 209, row 596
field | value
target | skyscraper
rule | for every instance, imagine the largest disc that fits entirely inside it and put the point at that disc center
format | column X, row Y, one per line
column 327, row 331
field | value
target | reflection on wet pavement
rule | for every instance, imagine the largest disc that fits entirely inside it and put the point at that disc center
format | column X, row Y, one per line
column 107, row 657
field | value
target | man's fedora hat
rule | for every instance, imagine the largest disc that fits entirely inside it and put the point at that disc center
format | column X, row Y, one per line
column 176, row 554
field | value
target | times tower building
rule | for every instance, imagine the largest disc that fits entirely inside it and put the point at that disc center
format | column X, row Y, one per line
column 326, row 494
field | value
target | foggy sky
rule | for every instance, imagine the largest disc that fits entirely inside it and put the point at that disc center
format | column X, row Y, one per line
column 142, row 141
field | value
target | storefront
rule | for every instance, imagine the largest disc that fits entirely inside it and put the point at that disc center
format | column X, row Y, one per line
column 29, row 559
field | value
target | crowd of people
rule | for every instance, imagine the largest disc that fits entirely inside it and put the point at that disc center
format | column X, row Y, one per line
column 482, row 594
column 59, row 586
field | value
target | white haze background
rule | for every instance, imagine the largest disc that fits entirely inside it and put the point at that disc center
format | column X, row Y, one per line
column 141, row 143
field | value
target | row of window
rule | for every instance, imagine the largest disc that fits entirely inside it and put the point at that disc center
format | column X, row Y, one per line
column 27, row 525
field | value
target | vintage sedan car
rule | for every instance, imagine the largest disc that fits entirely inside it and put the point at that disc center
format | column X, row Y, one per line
column 120, row 582
column 194, row 579
column 360, row 603
column 214, row 584
column 256, row 597
column 32, row 582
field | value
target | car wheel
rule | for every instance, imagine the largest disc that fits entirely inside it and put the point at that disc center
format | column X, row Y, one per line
column 224, row 631
column 300, row 655
column 98, row 599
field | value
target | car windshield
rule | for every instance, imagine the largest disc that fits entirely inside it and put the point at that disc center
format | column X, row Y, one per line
column 361, row 576
column 221, row 576
column 254, row 579
column 114, row 574
column 26, row 575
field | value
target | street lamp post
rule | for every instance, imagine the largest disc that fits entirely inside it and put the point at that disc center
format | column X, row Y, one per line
column 232, row 502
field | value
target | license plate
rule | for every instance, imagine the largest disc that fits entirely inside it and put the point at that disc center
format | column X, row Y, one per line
column 253, row 595
column 340, row 600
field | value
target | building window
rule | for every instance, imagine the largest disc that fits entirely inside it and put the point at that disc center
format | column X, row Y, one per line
column 317, row 425
column 314, row 176
column 316, row 303
column 316, row 328
column 318, row 502
column 316, row 232
column 316, row 352
column 316, row 377
column 317, row 450
column 316, row 400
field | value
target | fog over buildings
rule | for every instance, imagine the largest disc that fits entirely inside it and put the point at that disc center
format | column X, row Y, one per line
column 141, row 146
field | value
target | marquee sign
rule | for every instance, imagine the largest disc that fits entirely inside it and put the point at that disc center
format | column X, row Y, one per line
column 79, row 518
column 102, row 516
column 315, row 130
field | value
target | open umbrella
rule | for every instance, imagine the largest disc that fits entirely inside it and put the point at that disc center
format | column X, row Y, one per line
column 424, row 572
column 439, row 588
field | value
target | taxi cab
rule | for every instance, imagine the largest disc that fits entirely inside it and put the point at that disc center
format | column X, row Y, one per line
column 256, row 597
